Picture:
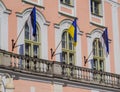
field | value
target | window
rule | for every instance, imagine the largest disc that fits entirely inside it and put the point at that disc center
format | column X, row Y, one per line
column 68, row 51
column 32, row 44
column 67, row 2
column 98, row 59
column 96, row 7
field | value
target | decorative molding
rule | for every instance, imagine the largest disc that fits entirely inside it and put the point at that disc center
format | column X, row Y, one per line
column 56, row 26
column 66, row 14
column 7, row 11
column 88, row 35
column 33, row 3
column 47, row 23
column 112, row 2
column 80, row 33
column 19, row 14
column 4, row 8
column 97, row 25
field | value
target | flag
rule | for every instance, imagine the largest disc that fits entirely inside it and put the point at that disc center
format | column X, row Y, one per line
column 73, row 32
column 32, row 22
column 105, row 41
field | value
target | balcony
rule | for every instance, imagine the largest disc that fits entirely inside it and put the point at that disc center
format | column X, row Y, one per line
column 52, row 71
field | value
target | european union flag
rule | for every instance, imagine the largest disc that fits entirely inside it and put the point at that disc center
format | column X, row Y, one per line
column 105, row 41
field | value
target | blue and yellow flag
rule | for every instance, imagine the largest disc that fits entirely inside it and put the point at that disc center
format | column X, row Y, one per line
column 73, row 32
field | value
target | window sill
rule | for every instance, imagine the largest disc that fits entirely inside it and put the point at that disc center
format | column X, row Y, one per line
column 70, row 5
column 33, row 3
column 98, row 25
column 98, row 15
column 66, row 14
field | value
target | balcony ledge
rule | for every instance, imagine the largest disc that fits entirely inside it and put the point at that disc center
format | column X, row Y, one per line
column 56, row 72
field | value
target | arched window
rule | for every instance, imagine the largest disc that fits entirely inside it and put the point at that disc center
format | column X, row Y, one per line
column 32, row 44
column 98, row 57
column 68, row 51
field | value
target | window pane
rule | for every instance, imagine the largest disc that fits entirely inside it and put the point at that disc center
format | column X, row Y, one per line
column 27, row 49
column 67, row 1
column 95, row 48
column 71, row 58
column 36, row 38
column 100, row 49
column 96, row 6
column 95, row 64
column 91, row 6
column 68, row 48
column 64, row 57
column 64, row 38
column 70, row 43
column 101, row 65
column 61, row 1
column 98, row 54
column 26, row 31
column 35, row 50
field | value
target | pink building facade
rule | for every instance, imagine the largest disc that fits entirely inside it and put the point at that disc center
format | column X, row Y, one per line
column 30, row 67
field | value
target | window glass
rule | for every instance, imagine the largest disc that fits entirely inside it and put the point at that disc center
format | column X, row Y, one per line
column 36, row 38
column 32, row 44
column 27, row 31
column 64, row 39
column 35, row 50
column 67, row 2
column 98, row 59
column 70, row 43
column 27, row 49
column 96, row 7
column 71, row 58
column 64, row 56
column 68, row 52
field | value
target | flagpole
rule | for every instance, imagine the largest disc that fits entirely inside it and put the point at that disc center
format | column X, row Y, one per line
column 14, row 42
column 53, row 52
column 86, row 59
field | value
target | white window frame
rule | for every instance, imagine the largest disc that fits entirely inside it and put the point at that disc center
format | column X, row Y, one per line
column 38, row 3
column 99, row 6
column 71, row 2
column 67, row 49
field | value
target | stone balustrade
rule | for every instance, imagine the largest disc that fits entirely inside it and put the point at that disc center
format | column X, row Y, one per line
column 58, row 70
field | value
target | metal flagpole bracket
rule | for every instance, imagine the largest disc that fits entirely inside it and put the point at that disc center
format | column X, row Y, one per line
column 85, row 60
column 52, row 53
column 13, row 44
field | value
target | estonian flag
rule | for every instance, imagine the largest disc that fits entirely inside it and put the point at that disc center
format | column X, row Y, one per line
column 105, row 41
column 32, row 22
column 73, row 31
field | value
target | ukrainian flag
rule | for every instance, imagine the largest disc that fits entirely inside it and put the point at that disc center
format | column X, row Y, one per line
column 73, row 32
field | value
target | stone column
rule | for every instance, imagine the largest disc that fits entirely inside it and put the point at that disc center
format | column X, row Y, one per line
column 9, row 85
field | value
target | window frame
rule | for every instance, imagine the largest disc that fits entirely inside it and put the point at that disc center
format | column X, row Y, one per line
column 65, row 2
column 68, row 51
column 32, row 43
column 98, row 58
column 99, row 8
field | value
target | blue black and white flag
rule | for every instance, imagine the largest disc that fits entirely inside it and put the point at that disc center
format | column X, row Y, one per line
column 32, row 22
